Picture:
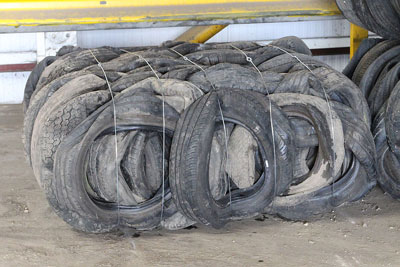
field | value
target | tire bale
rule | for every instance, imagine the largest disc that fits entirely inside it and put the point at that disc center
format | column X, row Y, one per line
column 380, row 82
column 201, row 134
column 380, row 17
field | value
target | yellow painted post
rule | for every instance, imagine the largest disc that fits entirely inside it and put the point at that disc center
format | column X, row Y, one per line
column 200, row 34
column 357, row 34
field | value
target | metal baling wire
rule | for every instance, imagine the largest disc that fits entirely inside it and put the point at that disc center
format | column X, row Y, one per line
column 115, row 131
column 163, row 132
column 220, row 110
column 250, row 60
column 323, row 87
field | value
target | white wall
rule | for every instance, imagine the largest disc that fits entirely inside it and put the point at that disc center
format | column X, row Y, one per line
column 317, row 34
column 15, row 42
column 15, row 49
column 133, row 37
column 12, row 86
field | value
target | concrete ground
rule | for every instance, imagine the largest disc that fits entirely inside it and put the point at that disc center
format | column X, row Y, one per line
column 366, row 233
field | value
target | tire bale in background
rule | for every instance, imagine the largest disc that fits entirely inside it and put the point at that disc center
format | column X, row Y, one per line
column 378, row 73
column 380, row 17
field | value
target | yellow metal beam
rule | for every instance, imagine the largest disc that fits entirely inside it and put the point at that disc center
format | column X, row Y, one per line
column 357, row 34
column 73, row 4
column 19, row 13
column 200, row 34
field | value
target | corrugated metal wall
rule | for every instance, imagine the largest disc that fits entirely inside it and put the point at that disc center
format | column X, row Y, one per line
column 317, row 34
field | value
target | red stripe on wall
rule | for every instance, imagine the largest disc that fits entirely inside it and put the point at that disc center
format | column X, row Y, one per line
column 17, row 67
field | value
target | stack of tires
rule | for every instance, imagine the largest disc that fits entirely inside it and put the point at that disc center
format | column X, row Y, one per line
column 380, row 17
column 185, row 133
column 376, row 69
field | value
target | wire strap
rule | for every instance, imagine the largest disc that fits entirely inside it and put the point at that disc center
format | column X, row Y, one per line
column 220, row 110
column 163, row 130
column 323, row 88
column 115, row 131
column 250, row 60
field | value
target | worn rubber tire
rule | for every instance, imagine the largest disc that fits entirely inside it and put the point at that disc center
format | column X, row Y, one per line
column 33, row 79
column 191, row 146
column 67, row 192
column 370, row 57
column 365, row 46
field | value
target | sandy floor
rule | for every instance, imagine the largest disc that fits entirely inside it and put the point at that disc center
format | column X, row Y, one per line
column 366, row 233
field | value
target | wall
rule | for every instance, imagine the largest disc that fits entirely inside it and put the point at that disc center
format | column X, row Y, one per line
column 31, row 47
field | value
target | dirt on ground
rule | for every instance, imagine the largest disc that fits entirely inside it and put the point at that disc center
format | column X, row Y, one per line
column 366, row 233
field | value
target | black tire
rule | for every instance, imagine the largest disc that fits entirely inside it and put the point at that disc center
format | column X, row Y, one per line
column 353, row 183
column 371, row 75
column 38, row 99
column 292, row 43
column 285, row 63
column 370, row 57
column 68, row 194
column 365, row 46
column 388, row 164
column 328, row 84
column 360, row 7
column 191, row 148
column 352, row 186
column 386, row 16
column 396, row 5
column 45, row 134
column 225, row 75
column 392, row 121
column 74, row 61
column 347, row 9
column 86, row 207
column 382, row 90
column 341, row 89
column 326, row 123
column 33, row 79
